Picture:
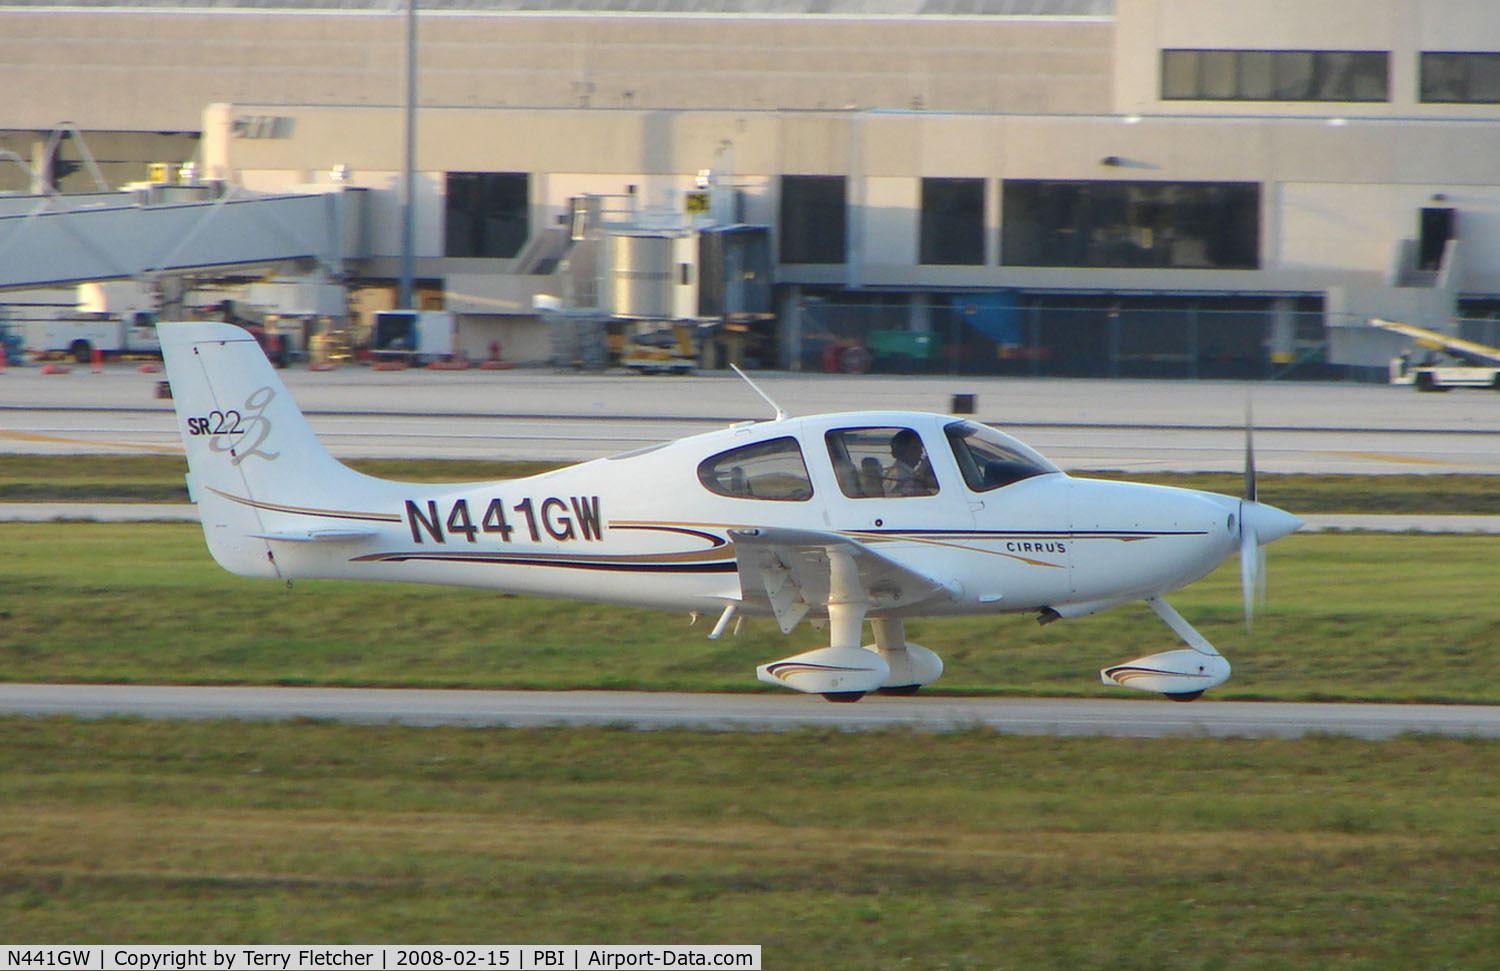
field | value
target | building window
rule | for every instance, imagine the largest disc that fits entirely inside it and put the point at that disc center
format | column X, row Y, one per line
column 1169, row 225
column 1212, row 75
column 1454, row 78
column 487, row 213
column 812, row 219
column 953, row 221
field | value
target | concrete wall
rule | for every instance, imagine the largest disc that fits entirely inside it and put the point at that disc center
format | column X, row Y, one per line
column 1403, row 27
column 1337, row 198
column 153, row 70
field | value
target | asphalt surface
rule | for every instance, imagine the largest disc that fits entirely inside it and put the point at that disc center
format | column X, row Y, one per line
column 1144, row 718
column 538, row 414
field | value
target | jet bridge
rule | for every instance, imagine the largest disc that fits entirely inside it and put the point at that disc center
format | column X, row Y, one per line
column 51, row 240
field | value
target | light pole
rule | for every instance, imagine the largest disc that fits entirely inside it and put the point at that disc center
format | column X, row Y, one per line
column 404, row 291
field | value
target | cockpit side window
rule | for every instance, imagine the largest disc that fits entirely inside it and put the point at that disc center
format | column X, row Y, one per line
column 766, row 470
column 990, row 460
column 879, row 462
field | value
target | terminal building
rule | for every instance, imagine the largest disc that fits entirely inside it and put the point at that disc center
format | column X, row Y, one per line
column 1085, row 187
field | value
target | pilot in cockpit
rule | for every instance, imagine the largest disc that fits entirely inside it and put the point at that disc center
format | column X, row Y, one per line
column 911, row 472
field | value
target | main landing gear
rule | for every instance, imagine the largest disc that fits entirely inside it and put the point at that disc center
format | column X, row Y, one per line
column 847, row 670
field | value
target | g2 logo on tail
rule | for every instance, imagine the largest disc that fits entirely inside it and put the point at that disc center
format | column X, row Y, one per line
column 239, row 433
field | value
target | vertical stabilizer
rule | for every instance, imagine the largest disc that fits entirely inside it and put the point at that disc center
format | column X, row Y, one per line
column 255, row 468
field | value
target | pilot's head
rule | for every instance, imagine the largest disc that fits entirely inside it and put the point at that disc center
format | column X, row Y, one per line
column 906, row 446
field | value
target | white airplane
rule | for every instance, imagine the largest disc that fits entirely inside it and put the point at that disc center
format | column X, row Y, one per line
column 839, row 519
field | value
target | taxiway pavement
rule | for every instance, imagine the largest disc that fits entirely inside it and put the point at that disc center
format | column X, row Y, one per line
column 1129, row 425
column 1145, row 718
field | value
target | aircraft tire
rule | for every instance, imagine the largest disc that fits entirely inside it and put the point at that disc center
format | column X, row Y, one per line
column 1184, row 696
column 843, row 697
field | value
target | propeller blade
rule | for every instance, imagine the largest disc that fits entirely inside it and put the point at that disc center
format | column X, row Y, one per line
column 1250, row 564
column 1259, row 525
column 1250, row 493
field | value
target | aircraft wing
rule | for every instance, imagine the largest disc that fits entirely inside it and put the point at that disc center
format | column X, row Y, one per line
column 788, row 571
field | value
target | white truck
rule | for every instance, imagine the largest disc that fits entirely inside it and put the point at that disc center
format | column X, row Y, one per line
column 80, row 337
column 117, row 317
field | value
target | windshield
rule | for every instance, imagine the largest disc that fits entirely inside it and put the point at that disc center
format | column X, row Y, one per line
column 989, row 459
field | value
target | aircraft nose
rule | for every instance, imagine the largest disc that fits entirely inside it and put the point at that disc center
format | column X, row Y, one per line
column 1267, row 522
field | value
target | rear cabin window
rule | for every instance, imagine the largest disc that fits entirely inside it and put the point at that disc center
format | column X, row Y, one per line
column 882, row 462
column 766, row 470
column 990, row 460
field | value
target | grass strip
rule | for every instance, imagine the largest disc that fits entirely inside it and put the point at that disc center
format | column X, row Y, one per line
column 887, row 850
column 1351, row 617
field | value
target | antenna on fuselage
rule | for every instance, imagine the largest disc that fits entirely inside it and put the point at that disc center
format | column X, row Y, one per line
column 780, row 412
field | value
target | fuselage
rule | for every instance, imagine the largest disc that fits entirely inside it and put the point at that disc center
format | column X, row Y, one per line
column 1003, row 527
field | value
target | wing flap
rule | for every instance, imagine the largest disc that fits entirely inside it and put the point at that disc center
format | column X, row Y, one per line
column 787, row 570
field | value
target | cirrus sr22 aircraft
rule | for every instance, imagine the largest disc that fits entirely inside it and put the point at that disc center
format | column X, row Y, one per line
column 840, row 519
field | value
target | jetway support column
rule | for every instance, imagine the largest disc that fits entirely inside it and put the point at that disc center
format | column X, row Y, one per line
column 41, row 167
column 1283, row 337
column 790, row 351
column 919, row 312
column 171, row 296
